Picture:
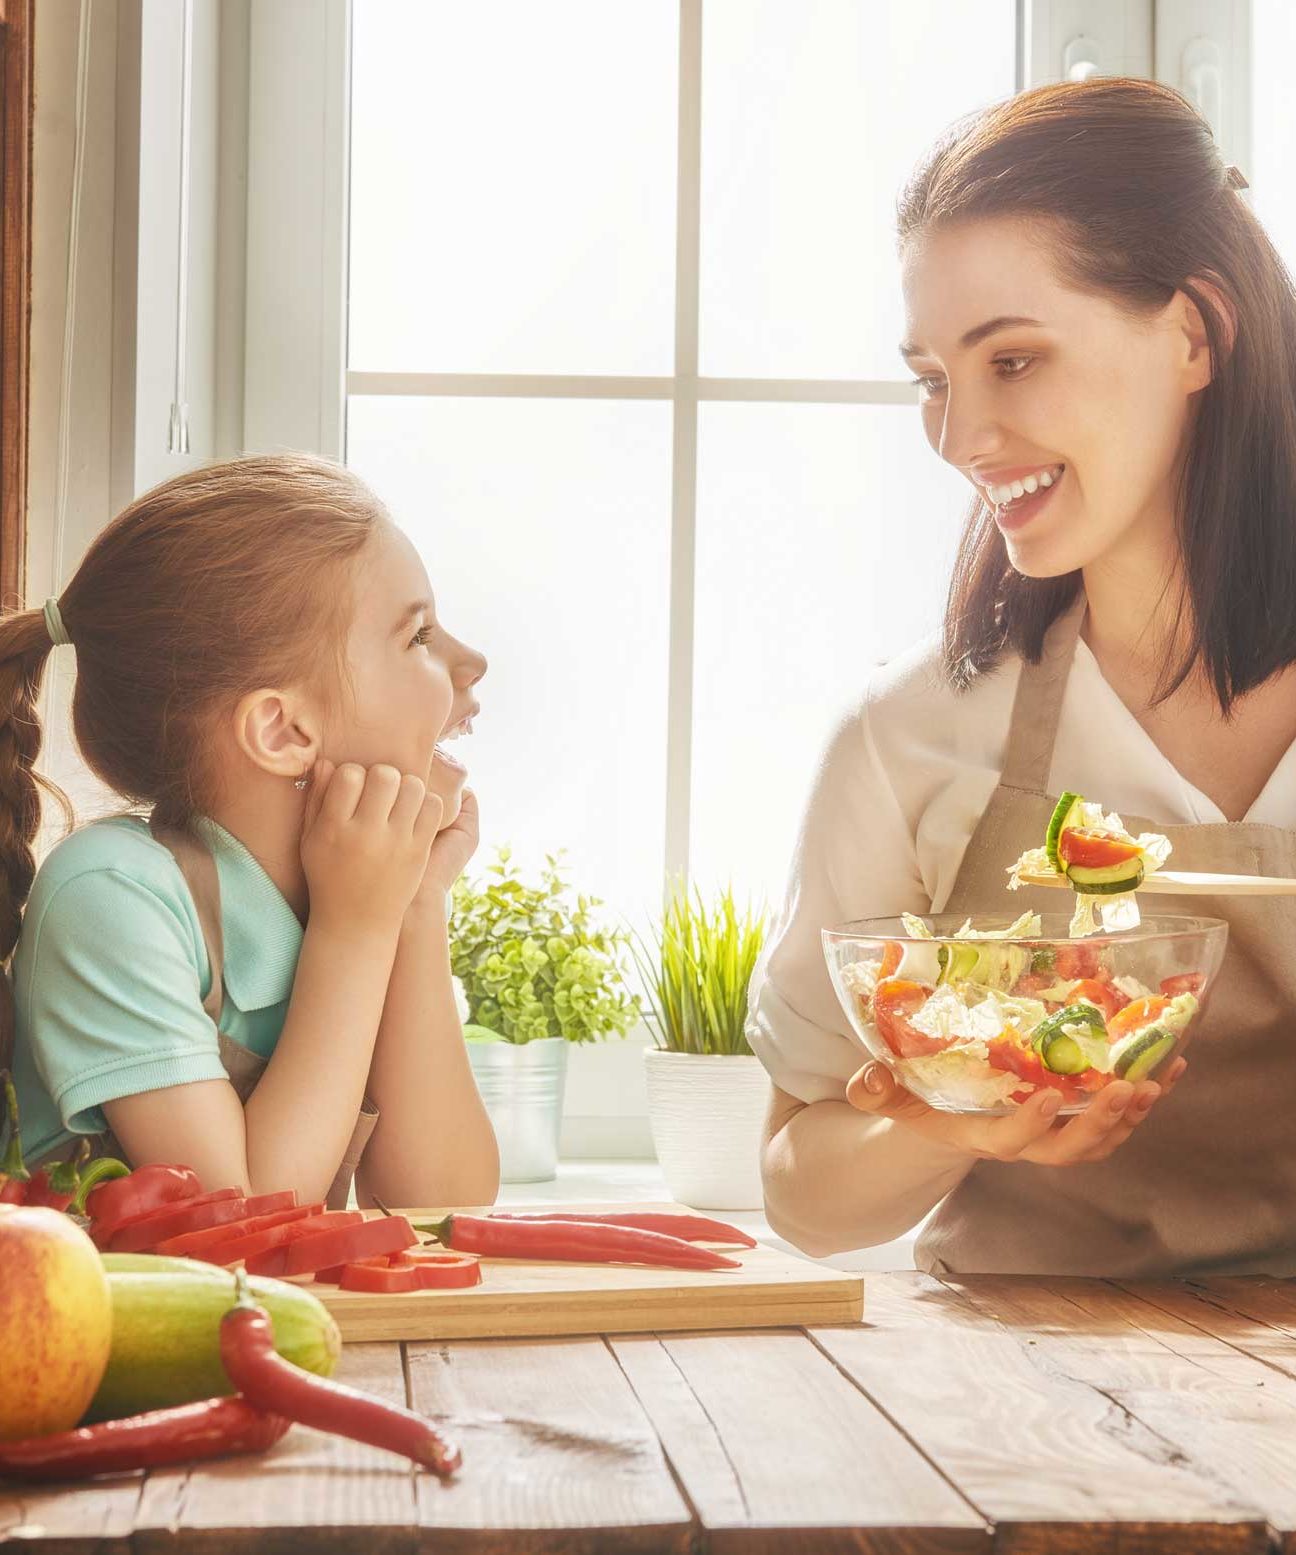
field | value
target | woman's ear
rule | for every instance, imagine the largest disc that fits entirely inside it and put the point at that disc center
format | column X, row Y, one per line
column 277, row 731
column 1213, row 297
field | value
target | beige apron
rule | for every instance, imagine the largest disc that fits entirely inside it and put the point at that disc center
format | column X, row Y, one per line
column 243, row 1067
column 1207, row 1183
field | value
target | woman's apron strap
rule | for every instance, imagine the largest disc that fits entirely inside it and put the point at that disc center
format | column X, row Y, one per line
column 1037, row 707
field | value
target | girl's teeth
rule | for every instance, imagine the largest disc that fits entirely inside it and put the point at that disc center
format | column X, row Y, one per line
column 1031, row 484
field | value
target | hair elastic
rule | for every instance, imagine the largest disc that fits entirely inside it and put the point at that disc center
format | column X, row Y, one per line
column 54, row 623
column 1236, row 178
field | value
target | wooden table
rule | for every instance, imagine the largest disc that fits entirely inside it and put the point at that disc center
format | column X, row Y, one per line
column 1040, row 1415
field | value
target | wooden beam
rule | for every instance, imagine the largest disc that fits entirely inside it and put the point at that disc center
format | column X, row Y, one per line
column 16, row 29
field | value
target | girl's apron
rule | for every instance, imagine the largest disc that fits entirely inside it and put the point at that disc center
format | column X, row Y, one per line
column 1207, row 1183
column 243, row 1067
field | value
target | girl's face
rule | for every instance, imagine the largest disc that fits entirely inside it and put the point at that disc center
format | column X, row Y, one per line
column 412, row 682
column 1019, row 376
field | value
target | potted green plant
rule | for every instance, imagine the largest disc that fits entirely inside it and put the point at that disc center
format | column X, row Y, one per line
column 538, row 972
column 707, row 1092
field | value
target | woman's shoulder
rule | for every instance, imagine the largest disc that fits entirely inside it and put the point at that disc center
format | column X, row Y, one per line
column 117, row 845
column 911, row 708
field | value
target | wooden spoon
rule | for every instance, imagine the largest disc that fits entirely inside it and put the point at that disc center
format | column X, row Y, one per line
column 1183, row 882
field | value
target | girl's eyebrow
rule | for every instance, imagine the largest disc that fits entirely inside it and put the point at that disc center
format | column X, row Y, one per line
column 419, row 607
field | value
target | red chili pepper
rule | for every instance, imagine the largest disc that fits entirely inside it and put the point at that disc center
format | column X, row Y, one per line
column 215, row 1428
column 14, row 1176
column 688, row 1228
column 145, row 1189
column 56, row 1186
column 570, row 1241
column 265, row 1379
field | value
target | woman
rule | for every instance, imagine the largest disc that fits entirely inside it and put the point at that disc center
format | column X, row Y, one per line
column 1094, row 313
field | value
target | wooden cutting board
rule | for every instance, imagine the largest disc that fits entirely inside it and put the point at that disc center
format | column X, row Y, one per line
column 524, row 1299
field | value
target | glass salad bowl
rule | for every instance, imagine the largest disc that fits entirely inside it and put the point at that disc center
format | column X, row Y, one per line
column 977, row 1017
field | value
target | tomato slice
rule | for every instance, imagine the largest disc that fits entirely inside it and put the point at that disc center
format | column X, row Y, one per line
column 1073, row 961
column 1103, row 996
column 196, row 1243
column 1006, row 1055
column 1136, row 1014
column 1183, row 982
column 212, row 1209
column 344, row 1244
column 892, row 956
column 894, row 1001
column 1092, row 848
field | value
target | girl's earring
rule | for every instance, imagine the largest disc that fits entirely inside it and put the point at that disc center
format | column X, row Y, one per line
column 300, row 782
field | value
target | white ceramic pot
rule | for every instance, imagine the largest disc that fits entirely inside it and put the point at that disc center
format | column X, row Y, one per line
column 707, row 1114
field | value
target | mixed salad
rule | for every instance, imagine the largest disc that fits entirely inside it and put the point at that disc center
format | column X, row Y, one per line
column 983, row 1020
column 1103, row 863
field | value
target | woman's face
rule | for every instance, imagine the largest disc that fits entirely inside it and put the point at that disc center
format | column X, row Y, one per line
column 1085, row 396
column 412, row 682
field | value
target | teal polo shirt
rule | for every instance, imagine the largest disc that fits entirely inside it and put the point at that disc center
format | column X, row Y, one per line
column 110, row 973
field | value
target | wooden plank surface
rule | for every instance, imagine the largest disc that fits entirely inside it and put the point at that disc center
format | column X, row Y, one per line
column 309, row 1493
column 1034, row 1443
column 778, row 1451
column 523, row 1298
column 559, row 1456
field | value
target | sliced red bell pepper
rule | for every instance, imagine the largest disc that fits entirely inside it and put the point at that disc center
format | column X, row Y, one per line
column 139, row 1193
column 382, row 1280
column 402, row 1272
column 195, row 1243
column 259, row 1250
column 437, row 1272
column 345, row 1244
column 217, row 1208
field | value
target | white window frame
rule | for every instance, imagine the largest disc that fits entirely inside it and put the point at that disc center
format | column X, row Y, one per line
column 296, row 378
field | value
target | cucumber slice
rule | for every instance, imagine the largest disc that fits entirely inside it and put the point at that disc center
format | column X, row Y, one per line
column 1062, row 1054
column 1044, row 960
column 1057, row 821
column 1136, row 1056
column 1108, row 881
column 1073, row 1015
column 957, row 962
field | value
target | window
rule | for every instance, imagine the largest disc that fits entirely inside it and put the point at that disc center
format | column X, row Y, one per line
column 622, row 359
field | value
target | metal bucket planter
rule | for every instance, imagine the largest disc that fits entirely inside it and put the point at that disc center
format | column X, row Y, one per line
column 521, row 1086
column 707, row 1113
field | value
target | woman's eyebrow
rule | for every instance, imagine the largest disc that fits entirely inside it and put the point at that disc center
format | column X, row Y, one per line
column 974, row 336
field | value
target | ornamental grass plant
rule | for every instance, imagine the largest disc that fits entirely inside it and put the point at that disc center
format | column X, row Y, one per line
column 697, row 973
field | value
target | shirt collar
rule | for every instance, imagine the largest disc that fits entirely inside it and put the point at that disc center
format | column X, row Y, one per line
column 262, row 935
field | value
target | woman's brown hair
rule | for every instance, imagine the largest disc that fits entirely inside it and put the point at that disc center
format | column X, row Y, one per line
column 1124, row 177
column 219, row 581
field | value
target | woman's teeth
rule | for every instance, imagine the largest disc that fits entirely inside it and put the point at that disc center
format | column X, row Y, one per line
column 1027, row 486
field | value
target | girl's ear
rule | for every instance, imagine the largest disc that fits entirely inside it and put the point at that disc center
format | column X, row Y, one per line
column 1215, row 298
column 277, row 731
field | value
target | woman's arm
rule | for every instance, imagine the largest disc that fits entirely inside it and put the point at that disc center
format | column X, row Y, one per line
column 433, row 1144
column 836, row 1180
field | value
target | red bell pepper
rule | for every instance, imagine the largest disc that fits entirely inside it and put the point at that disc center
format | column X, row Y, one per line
column 139, row 1193
column 194, row 1244
column 343, row 1244
column 261, row 1251
column 14, row 1176
column 393, row 1277
column 217, row 1208
column 56, row 1186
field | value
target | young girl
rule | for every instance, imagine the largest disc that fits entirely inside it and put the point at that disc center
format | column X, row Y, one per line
column 1105, row 346
column 251, row 975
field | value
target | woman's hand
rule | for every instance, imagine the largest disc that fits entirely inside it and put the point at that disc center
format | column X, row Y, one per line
column 453, row 847
column 366, row 837
column 1029, row 1134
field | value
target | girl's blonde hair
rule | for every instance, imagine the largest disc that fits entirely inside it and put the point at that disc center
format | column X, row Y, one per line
column 219, row 581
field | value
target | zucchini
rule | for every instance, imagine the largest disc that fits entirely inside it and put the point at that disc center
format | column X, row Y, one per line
column 1125, row 876
column 1136, row 1056
column 957, row 963
column 1061, row 815
column 166, row 1336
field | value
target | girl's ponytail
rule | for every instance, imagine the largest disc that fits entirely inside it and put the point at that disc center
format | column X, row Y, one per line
column 25, row 645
